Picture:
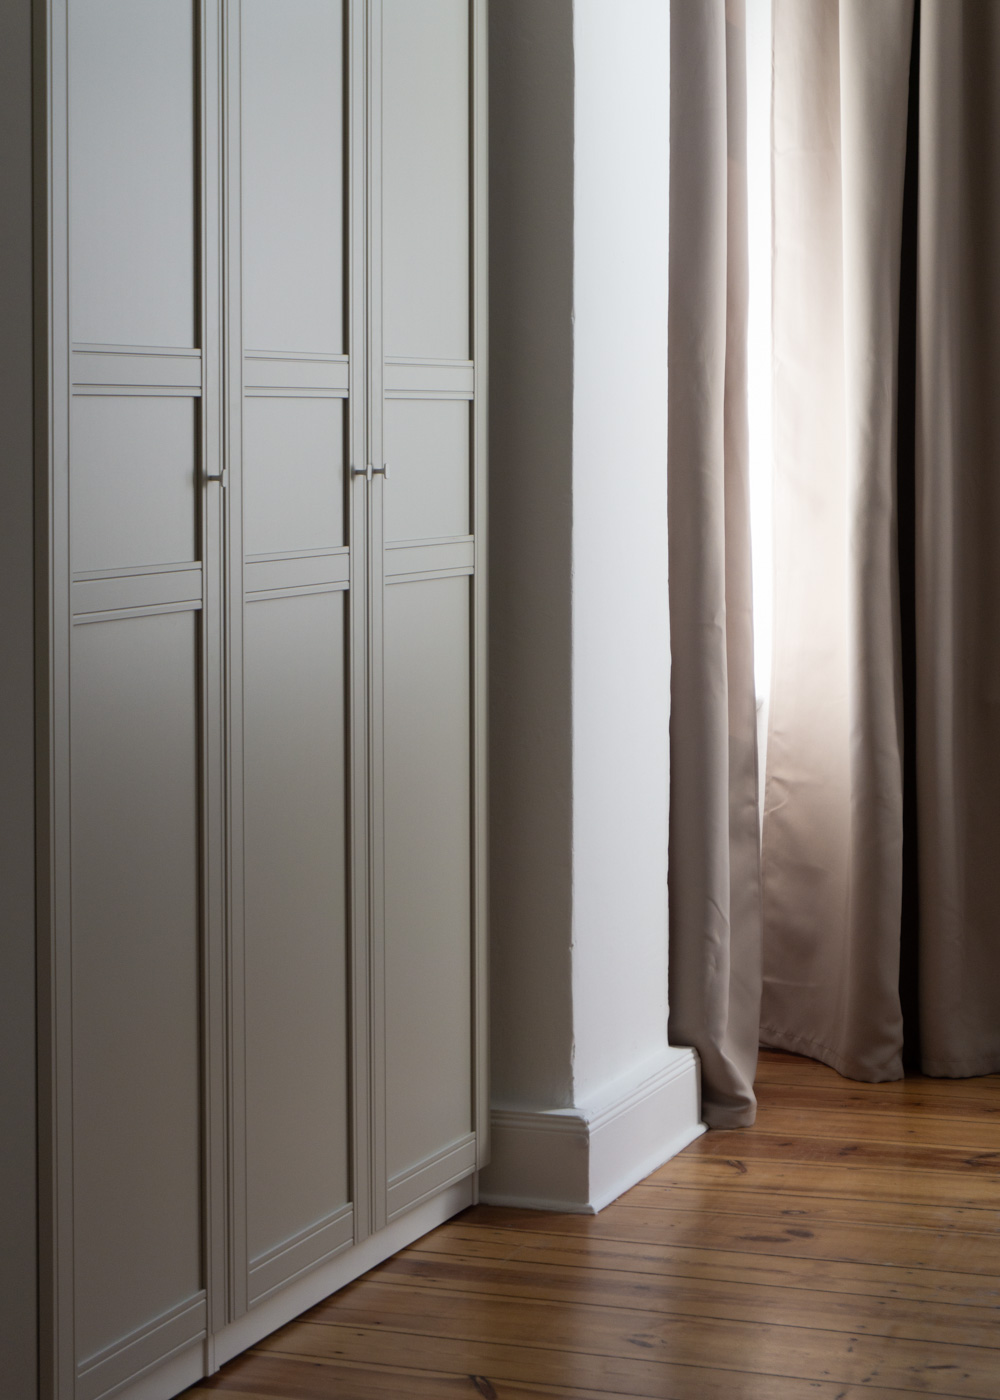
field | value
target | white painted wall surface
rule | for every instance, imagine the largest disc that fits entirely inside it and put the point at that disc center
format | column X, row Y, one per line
column 588, row 1096
column 621, row 656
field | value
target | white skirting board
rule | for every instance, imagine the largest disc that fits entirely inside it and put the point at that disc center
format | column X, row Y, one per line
column 580, row 1159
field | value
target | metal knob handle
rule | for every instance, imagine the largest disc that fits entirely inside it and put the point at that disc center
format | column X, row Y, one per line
column 366, row 472
column 382, row 471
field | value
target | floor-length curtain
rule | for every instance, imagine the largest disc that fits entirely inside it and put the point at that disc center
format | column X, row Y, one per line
column 714, row 864
column 957, row 556
column 835, row 841
column 832, row 840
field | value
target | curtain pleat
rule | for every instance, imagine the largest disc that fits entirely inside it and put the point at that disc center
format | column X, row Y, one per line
column 714, row 859
column 957, row 557
column 832, row 849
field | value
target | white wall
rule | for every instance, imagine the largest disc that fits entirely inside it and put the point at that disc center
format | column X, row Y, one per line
column 621, row 657
column 588, row 1095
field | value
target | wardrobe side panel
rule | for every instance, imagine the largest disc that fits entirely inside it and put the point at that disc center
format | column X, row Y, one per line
column 18, row 1200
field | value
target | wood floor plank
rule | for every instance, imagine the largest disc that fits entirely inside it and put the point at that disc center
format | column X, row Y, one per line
column 872, row 1280
column 291, row 1378
column 905, row 1096
column 507, row 1368
column 777, row 1067
column 901, row 1126
column 803, row 1147
column 331, row 1380
column 697, row 1297
column 846, row 1246
column 738, row 1174
column 871, row 1244
column 601, row 1339
column 786, row 1206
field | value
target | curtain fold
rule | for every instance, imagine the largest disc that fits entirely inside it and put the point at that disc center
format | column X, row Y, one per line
column 957, row 555
column 714, row 854
column 834, row 849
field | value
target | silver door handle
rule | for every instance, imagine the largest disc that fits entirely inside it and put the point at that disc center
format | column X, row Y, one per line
column 366, row 472
column 221, row 477
column 382, row 471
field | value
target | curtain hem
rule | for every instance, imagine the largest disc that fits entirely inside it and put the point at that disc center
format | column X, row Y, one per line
column 773, row 1039
column 714, row 1116
column 974, row 1067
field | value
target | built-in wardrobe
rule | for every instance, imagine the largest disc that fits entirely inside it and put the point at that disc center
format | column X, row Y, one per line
column 260, row 429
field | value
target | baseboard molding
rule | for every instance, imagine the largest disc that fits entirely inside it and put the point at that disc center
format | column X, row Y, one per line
column 581, row 1159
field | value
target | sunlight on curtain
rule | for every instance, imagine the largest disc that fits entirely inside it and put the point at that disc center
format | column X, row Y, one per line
column 758, row 14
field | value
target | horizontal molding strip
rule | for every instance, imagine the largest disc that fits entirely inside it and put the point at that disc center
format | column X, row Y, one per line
column 134, row 391
column 182, row 352
column 302, row 571
column 428, row 576
column 134, row 570
column 276, row 374
column 449, row 378
column 408, row 1189
column 181, row 1327
column 305, row 590
column 120, row 614
column 137, row 590
column 324, row 357
column 305, row 1250
column 94, row 371
column 296, row 392
column 450, row 395
column 429, row 557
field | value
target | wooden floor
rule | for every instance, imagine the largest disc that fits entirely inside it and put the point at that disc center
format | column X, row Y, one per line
column 848, row 1245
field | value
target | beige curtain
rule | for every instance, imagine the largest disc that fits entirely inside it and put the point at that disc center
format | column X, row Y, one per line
column 714, row 865
column 958, row 536
column 834, row 847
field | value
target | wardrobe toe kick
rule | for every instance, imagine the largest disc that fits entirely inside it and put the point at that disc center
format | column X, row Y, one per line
column 261, row 662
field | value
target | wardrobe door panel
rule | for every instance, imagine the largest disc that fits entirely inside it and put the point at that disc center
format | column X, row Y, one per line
column 136, row 682
column 427, row 871
column 293, row 175
column 428, row 666
column 425, row 169
column 132, row 481
column 293, row 1060
column 298, row 1185
column 293, row 475
column 132, row 172
column 136, row 958
column 427, row 443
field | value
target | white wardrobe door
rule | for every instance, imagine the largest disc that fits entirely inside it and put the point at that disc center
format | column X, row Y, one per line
column 132, row 947
column 295, row 423
column 427, row 605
